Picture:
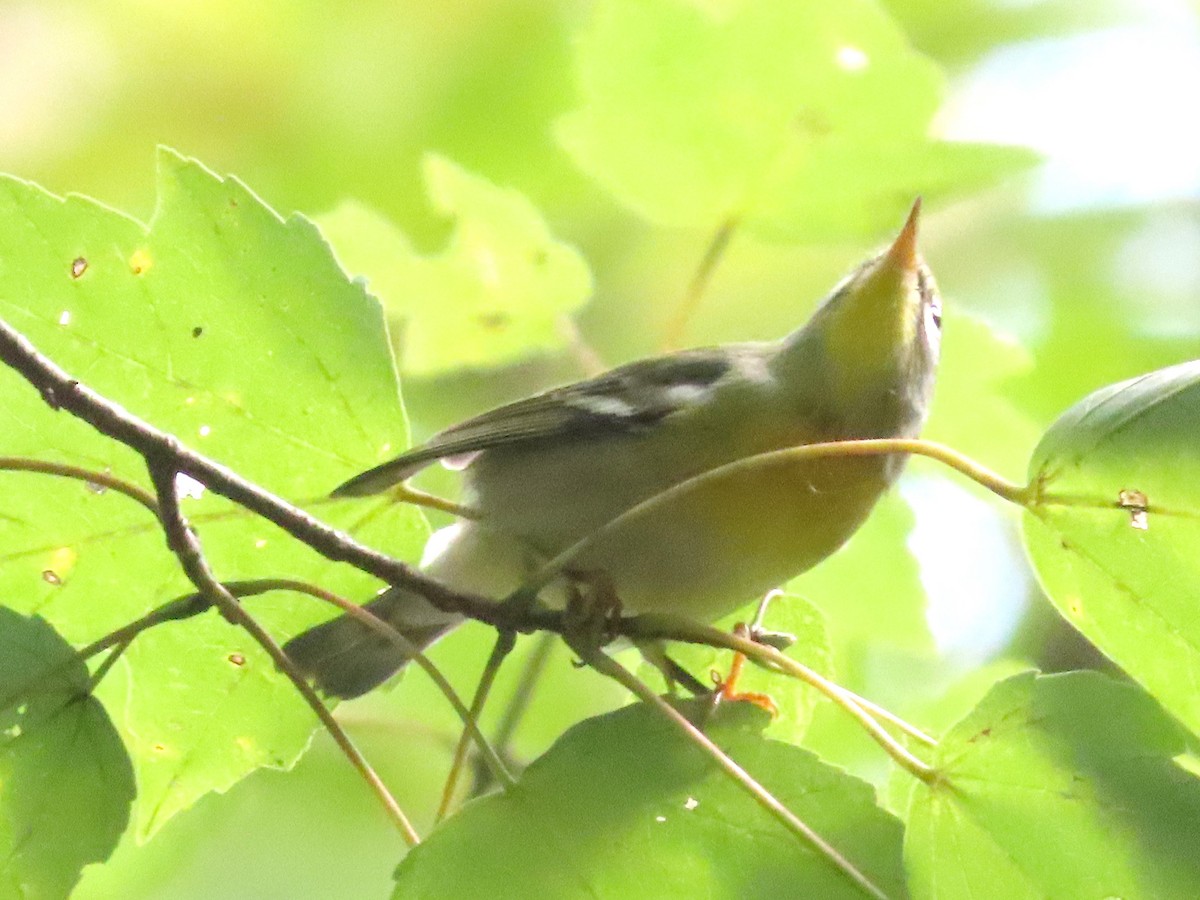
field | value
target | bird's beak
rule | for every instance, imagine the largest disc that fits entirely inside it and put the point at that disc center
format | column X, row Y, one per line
column 903, row 253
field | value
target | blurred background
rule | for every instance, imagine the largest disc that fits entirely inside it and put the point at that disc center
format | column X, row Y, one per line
column 1080, row 272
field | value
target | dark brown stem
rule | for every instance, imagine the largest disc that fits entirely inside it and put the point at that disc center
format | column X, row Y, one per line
column 61, row 391
column 184, row 543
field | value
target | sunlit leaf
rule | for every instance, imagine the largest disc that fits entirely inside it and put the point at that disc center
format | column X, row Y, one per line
column 962, row 32
column 498, row 292
column 798, row 118
column 65, row 779
column 1058, row 786
column 622, row 806
column 235, row 330
column 1115, row 533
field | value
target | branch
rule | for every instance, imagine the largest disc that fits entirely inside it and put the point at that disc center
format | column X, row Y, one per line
column 504, row 645
column 88, row 476
column 186, row 546
column 1014, row 493
column 61, row 391
column 165, row 453
column 656, row 626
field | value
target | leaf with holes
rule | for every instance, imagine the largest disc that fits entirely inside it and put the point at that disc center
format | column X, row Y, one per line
column 237, row 331
column 1114, row 531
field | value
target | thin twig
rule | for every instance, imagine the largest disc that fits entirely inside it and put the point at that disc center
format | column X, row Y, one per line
column 653, row 625
column 1007, row 490
column 193, row 604
column 186, row 547
column 717, row 245
column 604, row 664
column 518, row 704
column 585, row 354
column 890, row 717
column 501, row 649
column 172, row 611
column 89, row 476
column 61, row 391
column 410, row 650
column 406, row 493
column 105, row 665
column 535, row 665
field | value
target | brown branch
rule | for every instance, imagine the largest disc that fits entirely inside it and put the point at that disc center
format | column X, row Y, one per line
column 61, row 391
column 89, row 476
column 184, row 543
column 164, row 454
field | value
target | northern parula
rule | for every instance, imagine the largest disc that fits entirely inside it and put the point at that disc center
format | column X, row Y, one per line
column 548, row 470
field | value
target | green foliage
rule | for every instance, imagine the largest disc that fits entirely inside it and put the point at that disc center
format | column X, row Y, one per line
column 65, row 779
column 848, row 586
column 236, row 331
column 498, row 292
column 622, row 804
column 1115, row 533
column 800, row 120
column 1059, row 786
column 631, row 131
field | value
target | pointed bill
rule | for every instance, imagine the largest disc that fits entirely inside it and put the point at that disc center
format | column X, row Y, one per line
column 903, row 252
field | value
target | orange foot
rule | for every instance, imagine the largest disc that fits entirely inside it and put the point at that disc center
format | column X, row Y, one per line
column 726, row 688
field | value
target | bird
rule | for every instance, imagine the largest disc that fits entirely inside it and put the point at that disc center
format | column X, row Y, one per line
column 552, row 469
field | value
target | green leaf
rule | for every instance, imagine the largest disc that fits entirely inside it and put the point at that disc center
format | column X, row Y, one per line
column 1060, row 786
column 1128, row 579
column 622, row 803
column 237, row 331
column 798, row 118
column 497, row 293
column 66, row 783
column 963, row 32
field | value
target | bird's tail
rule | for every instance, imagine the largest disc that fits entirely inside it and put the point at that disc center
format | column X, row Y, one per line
column 345, row 657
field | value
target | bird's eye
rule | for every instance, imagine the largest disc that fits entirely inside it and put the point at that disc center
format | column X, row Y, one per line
column 935, row 311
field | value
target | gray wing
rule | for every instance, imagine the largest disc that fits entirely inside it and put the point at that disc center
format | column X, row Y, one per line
column 626, row 399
